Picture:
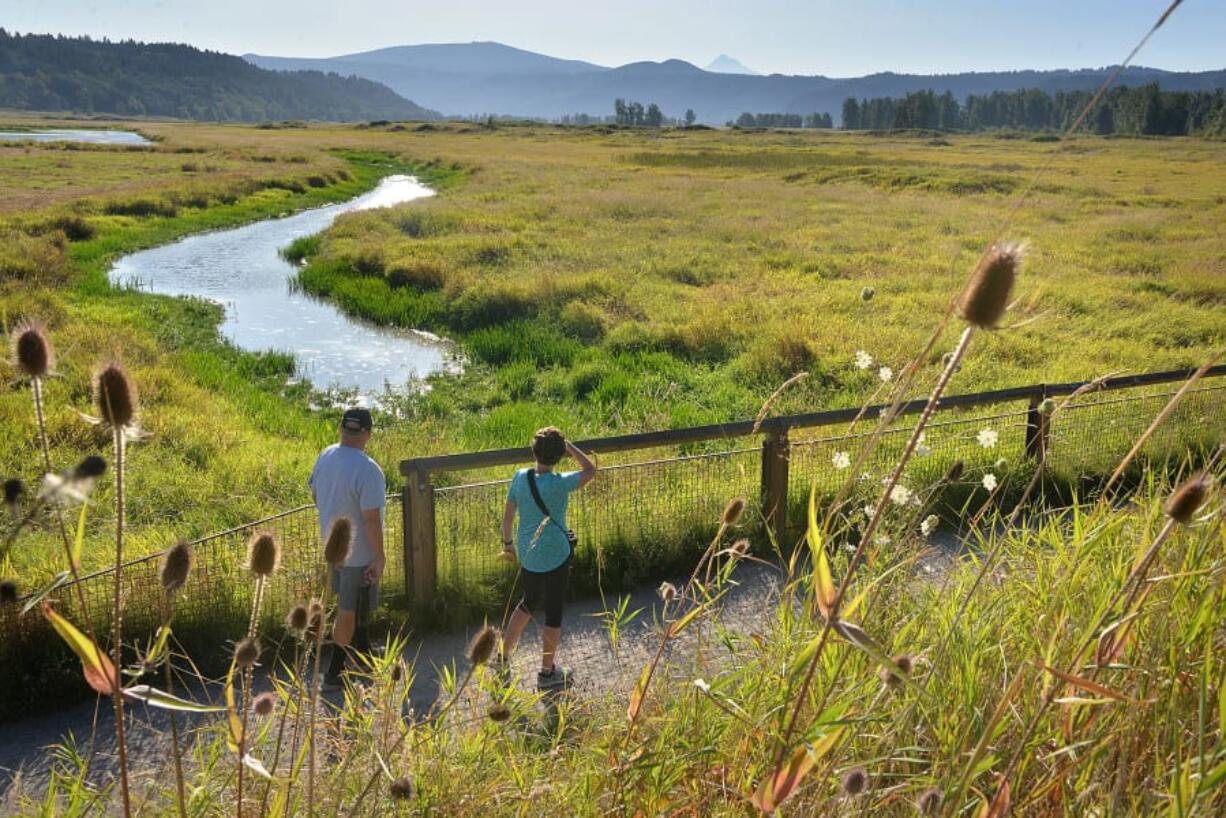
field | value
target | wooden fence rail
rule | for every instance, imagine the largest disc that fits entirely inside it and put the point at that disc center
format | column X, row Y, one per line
column 420, row 547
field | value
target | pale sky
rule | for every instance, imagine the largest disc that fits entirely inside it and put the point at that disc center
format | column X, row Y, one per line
column 830, row 37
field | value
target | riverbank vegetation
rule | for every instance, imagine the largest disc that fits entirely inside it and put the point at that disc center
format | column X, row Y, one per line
column 604, row 280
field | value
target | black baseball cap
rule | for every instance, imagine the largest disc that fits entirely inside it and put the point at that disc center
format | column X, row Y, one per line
column 356, row 419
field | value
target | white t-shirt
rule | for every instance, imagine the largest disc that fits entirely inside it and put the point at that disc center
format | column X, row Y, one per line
column 347, row 482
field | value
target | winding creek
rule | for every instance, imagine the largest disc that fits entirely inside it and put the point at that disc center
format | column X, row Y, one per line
column 243, row 271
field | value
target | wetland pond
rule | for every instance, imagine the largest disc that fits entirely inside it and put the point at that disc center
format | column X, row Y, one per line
column 242, row 269
column 95, row 137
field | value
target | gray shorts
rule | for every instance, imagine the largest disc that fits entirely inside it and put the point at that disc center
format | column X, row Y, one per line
column 352, row 592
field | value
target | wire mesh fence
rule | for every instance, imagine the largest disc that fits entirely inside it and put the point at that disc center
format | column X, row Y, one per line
column 655, row 506
column 650, row 514
column 219, row 588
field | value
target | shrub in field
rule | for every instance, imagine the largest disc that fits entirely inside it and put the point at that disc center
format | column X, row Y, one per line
column 582, row 320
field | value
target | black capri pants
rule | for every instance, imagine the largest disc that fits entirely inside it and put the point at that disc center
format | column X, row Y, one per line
column 546, row 592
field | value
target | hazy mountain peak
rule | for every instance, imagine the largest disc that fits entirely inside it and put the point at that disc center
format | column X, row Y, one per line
column 723, row 64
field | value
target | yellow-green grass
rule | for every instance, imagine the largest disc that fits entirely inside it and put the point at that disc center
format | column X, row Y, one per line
column 1145, row 735
column 652, row 280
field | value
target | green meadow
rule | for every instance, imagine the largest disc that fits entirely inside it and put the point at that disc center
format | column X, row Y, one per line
column 602, row 280
column 615, row 281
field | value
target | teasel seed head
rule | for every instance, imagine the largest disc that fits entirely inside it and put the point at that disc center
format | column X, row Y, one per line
column 668, row 591
column 263, row 554
column 732, row 512
column 340, row 535
column 892, row 679
column 8, row 592
column 955, row 472
column 246, row 652
column 855, row 781
column 986, row 296
column 867, row 293
column 1188, row 498
column 739, row 548
column 298, row 618
column 316, row 615
column 397, row 671
column 402, row 788
column 264, row 704
column 482, row 646
column 176, row 565
column 1046, row 407
column 14, row 490
column 498, row 713
column 115, row 395
column 90, row 468
column 1001, row 465
column 32, row 351
column 930, row 800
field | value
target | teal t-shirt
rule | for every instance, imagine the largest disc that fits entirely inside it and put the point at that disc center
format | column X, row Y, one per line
column 546, row 550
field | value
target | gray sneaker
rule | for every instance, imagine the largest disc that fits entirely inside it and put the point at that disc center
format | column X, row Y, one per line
column 557, row 680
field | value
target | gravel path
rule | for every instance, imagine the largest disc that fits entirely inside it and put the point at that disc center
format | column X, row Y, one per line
column 600, row 670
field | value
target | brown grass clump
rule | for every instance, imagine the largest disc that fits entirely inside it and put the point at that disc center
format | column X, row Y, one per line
column 115, row 395
column 175, row 567
column 1188, row 498
column 340, row 536
column 33, row 354
column 986, row 296
column 263, row 554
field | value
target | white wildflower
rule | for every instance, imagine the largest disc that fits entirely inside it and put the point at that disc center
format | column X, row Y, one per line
column 868, row 511
column 929, row 524
column 989, row 481
column 863, row 359
column 987, row 438
column 882, row 539
column 702, row 685
column 842, row 460
column 901, row 495
column 922, row 449
column 886, row 374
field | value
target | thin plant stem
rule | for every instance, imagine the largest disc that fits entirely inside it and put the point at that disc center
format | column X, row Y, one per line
column 181, row 790
column 117, row 625
column 276, row 753
column 867, row 536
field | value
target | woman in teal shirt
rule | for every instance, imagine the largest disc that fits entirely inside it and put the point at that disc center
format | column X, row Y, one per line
column 542, row 546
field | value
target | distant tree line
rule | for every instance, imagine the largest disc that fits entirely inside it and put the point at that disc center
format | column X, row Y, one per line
column 633, row 113
column 748, row 120
column 56, row 73
column 1141, row 110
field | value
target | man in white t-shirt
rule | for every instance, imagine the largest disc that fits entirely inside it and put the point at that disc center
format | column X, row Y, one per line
column 345, row 482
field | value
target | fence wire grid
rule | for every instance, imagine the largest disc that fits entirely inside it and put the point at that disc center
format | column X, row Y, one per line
column 657, row 510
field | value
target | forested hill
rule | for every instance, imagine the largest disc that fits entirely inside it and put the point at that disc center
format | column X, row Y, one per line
column 53, row 73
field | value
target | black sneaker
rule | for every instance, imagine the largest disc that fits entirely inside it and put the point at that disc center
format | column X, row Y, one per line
column 556, row 680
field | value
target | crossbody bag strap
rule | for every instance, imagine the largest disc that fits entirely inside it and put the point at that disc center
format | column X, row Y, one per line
column 540, row 503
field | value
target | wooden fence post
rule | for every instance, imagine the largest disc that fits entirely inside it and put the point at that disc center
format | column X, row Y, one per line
column 1036, row 427
column 776, row 456
column 421, row 553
